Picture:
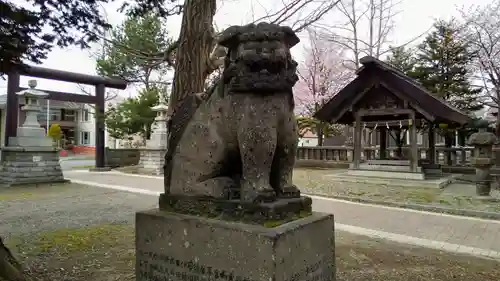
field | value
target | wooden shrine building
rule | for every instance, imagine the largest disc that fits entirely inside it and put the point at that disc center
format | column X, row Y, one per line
column 383, row 98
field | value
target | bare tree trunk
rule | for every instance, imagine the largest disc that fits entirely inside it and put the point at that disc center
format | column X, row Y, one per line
column 196, row 40
column 497, row 133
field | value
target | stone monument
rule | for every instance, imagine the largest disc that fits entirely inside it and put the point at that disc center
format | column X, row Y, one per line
column 31, row 156
column 230, row 210
column 482, row 160
column 152, row 156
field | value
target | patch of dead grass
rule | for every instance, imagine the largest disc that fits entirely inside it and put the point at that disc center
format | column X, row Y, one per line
column 320, row 182
column 99, row 253
column 33, row 191
column 361, row 258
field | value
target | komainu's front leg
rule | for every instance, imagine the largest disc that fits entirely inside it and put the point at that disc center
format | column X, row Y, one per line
column 284, row 161
column 257, row 139
column 256, row 157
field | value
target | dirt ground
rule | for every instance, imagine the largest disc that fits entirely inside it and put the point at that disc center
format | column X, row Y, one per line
column 106, row 253
column 81, row 233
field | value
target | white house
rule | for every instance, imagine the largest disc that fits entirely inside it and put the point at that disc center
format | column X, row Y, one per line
column 308, row 139
column 76, row 123
column 77, row 120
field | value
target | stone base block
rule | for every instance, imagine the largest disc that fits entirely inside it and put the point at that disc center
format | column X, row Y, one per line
column 281, row 210
column 176, row 247
column 388, row 168
column 386, row 174
column 31, row 141
column 438, row 182
column 152, row 160
column 24, row 165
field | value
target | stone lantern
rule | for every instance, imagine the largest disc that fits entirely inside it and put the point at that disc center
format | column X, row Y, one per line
column 30, row 133
column 482, row 160
column 30, row 156
column 159, row 133
column 153, row 155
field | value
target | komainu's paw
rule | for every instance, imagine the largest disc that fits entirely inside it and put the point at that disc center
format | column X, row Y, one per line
column 261, row 193
column 290, row 191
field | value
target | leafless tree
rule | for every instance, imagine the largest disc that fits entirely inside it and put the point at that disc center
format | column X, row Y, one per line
column 322, row 75
column 364, row 28
column 482, row 27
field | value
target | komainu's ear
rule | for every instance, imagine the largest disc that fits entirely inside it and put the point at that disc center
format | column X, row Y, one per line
column 291, row 38
column 229, row 37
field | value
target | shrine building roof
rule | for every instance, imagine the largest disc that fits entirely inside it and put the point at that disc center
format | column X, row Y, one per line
column 379, row 85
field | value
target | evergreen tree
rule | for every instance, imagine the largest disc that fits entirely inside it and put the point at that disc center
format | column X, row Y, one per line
column 124, row 58
column 402, row 59
column 442, row 66
column 134, row 115
column 30, row 29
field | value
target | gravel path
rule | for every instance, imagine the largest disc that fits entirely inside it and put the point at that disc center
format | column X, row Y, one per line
column 51, row 208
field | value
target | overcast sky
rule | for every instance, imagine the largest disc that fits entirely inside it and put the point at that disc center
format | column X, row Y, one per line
column 414, row 18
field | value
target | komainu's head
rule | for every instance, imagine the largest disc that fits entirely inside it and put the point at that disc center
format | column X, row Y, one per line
column 259, row 58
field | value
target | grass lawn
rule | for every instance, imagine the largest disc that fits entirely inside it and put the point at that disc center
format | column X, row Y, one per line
column 459, row 196
column 106, row 253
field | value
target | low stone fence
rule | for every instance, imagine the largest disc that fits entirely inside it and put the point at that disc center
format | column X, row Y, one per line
column 120, row 157
column 325, row 156
column 460, row 156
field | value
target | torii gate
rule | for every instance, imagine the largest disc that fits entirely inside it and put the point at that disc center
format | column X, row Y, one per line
column 100, row 83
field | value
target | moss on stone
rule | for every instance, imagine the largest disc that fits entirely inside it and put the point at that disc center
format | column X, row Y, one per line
column 214, row 214
column 276, row 223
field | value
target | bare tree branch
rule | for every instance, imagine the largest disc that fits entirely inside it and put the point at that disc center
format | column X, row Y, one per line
column 482, row 32
column 321, row 75
column 376, row 15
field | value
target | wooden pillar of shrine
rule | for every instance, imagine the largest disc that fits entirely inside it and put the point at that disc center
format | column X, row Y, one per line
column 413, row 143
column 431, row 152
column 383, row 143
column 357, row 141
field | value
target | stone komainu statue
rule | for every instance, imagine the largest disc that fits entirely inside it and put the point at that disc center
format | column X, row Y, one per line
column 242, row 139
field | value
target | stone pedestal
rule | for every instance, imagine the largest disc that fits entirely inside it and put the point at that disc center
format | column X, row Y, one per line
column 152, row 160
column 30, row 165
column 177, row 247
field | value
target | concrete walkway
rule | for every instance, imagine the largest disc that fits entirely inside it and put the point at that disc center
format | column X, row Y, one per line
column 457, row 234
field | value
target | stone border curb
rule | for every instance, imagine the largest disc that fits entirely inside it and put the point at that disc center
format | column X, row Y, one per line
column 35, row 184
column 418, row 207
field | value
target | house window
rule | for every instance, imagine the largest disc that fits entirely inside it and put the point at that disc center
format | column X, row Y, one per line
column 69, row 115
column 85, row 115
column 85, row 137
column 53, row 114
